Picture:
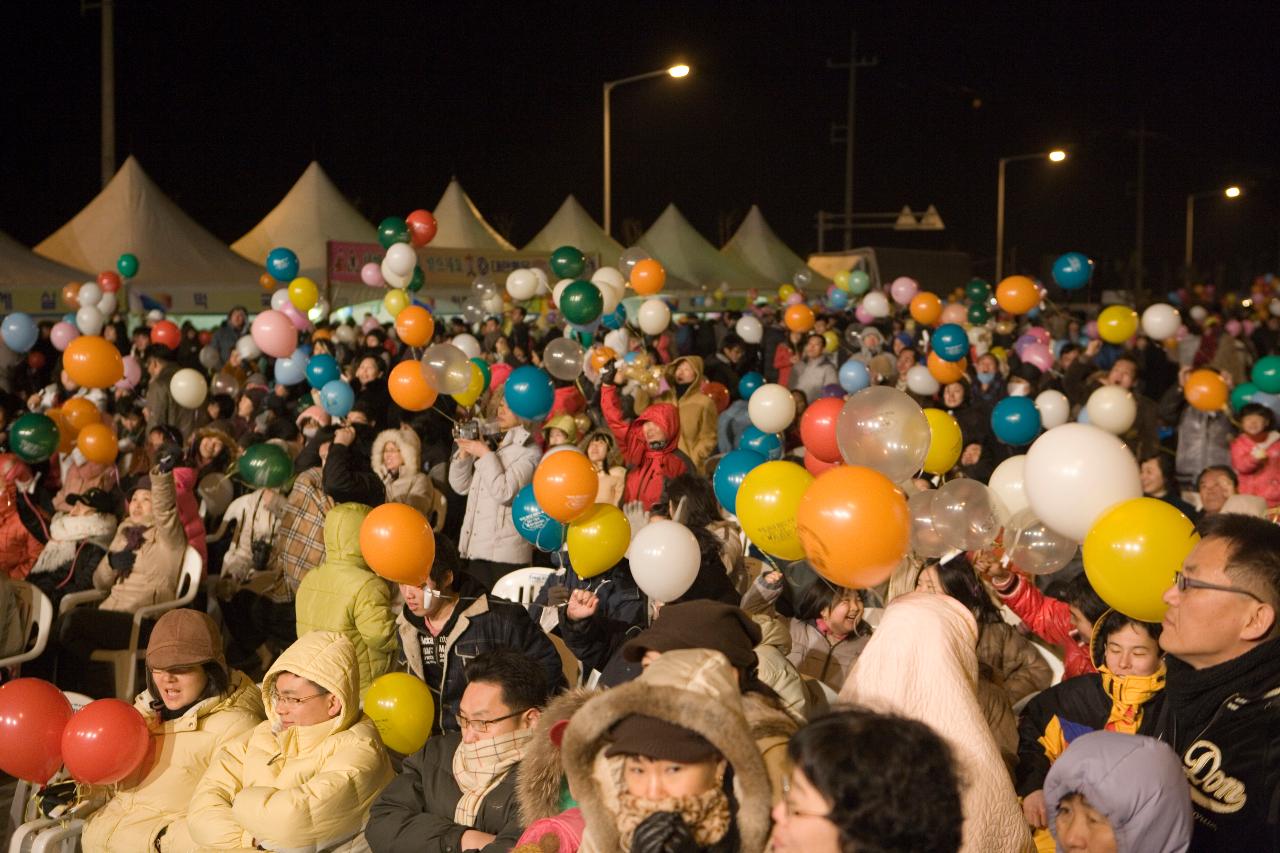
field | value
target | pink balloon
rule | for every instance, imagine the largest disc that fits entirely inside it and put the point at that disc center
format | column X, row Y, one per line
column 903, row 290
column 1233, row 327
column 62, row 334
column 132, row 374
column 369, row 325
column 1249, row 326
column 371, row 274
column 862, row 316
column 955, row 313
column 795, row 298
column 296, row 317
column 498, row 374
column 1091, row 330
column 274, row 334
column 1040, row 334
column 1038, row 355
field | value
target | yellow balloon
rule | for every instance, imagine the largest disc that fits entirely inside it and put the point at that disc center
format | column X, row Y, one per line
column 832, row 339
column 303, row 293
column 1117, row 324
column 784, row 291
column 400, row 706
column 395, row 301
column 598, row 540
column 767, row 502
column 945, row 442
column 469, row 395
column 1132, row 551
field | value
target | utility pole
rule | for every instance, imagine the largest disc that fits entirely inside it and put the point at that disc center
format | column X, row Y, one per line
column 852, row 66
column 107, row 9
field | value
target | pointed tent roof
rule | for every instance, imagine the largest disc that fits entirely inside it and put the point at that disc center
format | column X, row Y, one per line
column 573, row 226
column 755, row 246
column 29, row 282
column 178, row 258
column 688, row 256
column 460, row 225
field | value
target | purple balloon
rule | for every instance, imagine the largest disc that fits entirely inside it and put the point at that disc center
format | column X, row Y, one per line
column 832, row 390
column 132, row 374
column 903, row 290
column 1038, row 355
column 1022, row 343
column 296, row 317
column 1040, row 334
column 62, row 334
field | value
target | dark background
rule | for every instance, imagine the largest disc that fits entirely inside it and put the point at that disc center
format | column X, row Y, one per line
column 225, row 103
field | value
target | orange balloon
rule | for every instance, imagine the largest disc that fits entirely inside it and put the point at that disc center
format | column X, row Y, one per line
column 1206, row 390
column 926, row 308
column 409, row 388
column 947, row 371
column 79, row 412
column 414, row 326
column 66, row 438
column 648, row 277
column 98, row 443
column 565, row 485
column 71, row 293
column 601, row 356
column 92, row 362
column 799, row 318
column 397, row 543
column 854, row 525
column 1017, row 294
column 267, row 282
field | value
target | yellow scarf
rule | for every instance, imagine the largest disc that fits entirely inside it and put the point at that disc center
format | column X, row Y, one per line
column 1128, row 694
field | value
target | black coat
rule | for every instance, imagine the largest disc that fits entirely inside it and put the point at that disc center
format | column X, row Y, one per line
column 349, row 478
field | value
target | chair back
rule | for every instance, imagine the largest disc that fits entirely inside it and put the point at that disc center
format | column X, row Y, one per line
column 36, row 611
column 523, row 585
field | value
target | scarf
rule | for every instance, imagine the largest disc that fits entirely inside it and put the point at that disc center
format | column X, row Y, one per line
column 1195, row 695
column 1128, row 694
column 706, row 815
column 479, row 767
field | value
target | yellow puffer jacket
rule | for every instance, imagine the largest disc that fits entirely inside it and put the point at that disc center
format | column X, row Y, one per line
column 342, row 594
column 157, row 796
column 306, row 788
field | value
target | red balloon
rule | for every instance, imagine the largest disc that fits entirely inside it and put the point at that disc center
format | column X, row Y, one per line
column 109, row 281
column 205, row 337
column 422, row 227
column 717, row 392
column 104, row 742
column 167, row 334
column 818, row 428
column 33, row 714
column 816, row 466
column 35, row 360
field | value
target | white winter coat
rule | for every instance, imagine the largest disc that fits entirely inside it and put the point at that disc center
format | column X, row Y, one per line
column 491, row 483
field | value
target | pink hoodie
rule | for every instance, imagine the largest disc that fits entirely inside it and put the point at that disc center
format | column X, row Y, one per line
column 184, row 480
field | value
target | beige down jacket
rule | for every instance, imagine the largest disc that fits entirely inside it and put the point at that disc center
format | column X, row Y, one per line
column 154, row 577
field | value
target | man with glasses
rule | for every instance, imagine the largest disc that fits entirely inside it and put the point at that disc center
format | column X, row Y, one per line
column 459, row 791
column 1222, row 707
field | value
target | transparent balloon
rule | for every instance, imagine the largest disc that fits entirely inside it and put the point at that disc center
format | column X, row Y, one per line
column 629, row 258
column 483, row 285
column 885, row 430
column 925, row 540
column 803, row 278
column 446, row 369
column 1034, row 547
column 964, row 515
column 562, row 358
column 472, row 311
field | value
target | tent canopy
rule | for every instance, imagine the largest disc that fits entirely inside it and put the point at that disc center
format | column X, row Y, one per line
column 460, row 225
column 573, row 226
column 755, row 246
column 689, row 258
column 29, row 282
column 180, row 263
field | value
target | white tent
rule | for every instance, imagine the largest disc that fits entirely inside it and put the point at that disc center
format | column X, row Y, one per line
column 460, row 225
column 755, row 246
column 573, row 226
column 689, row 258
column 181, row 265
column 31, row 283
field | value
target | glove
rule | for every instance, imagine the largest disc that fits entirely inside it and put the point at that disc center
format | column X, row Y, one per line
column 557, row 595
column 169, row 457
column 121, row 562
column 662, row 832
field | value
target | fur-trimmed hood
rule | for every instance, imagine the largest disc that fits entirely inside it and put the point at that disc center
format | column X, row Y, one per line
column 693, row 688
column 410, row 447
column 96, row 527
column 540, row 776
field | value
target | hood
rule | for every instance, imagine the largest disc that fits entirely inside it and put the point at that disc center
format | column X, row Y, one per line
column 566, row 423
column 1136, row 781
column 229, row 445
column 773, row 632
column 539, row 781
column 328, row 659
column 410, row 447
column 97, row 527
column 694, row 361
column 342, row 534
column 665, row 415
column 693, row 688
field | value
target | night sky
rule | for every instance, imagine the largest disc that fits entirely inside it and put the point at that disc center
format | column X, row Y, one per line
column 225, row 103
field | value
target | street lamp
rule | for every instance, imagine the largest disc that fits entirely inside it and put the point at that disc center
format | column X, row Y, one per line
column 676, row 71
column 1232, row 191
column 1057, row 155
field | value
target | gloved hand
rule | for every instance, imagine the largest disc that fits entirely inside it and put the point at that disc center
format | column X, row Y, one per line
column 121, row 562
column 168, row 458
column 557, row 594
column 636, row 516
column 663, row 832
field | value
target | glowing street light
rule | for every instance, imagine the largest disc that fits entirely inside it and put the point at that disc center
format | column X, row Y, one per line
column 678, row 71
column 1057, row 155
column 1230, row 192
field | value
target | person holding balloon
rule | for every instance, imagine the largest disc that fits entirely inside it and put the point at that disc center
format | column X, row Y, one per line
column 649, row 444
column 20, row 546
column 1066, row 623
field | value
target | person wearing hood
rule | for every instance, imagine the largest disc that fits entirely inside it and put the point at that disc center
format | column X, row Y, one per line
column 1122, row 793
column 559, row 430
column 230, row 332
column 212, row 451
column 698, row 414
column 667, row 762
column 193, row 705
column 19, row 546
column 78, row 540
column 815, row 370
column 397, row 460
column 306, row 777
column 602, row 450
column 922, row 664
column 649, row 445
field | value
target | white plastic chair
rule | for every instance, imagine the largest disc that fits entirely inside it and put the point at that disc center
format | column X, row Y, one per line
column 37, row 617
column 523, row 585
column 1051, row 658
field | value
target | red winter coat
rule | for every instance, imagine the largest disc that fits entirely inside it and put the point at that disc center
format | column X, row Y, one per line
column 647, row 469
column 568, row 400
column 1050, row 620
column 1259, row 477
column 184, row 480
column 18, row 548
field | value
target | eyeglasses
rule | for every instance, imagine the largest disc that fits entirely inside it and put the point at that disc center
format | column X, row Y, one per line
column 1184, row 583
column 792, row 811
column 174, row 671
column 482, row 726
column 292, row 701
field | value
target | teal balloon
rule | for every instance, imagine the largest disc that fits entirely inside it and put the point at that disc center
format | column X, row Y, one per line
column 127, row 265
column 392, row 230
column 533, row 524
column 581, row 302
column 265, row 466
column 1266, row 374
column 568, row 262
column 1242, row 395
column 34, row 437
column 1016, row 420
column 484, row 371
column 859, row 282
column 766, row 444
column 978, row 313
column 1073, row 270
column 283, row 264
column 529, row 392
column 977, row 290
column 730, row 473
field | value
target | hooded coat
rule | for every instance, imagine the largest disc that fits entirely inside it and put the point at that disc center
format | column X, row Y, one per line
column 409, row 485
column 698, row 415
column 491, row 484
column 343, row 594
column 18, row 548
column 76, row 545
column 302, row 788
column 156, row 796
column 648, row 468
column 158, row 560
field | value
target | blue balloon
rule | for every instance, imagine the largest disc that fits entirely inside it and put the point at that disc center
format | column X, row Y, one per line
column 838, row 299
column 321, row 370
column 337, row 398
column 529, row 392
column 748, row 384
column 69, row 317
column 766, row 444
column 951, row 342
column 616, row 319
column 630, row 358
column 533, row 524
column 1083, row 416
column 731, row 471
column 1072, row 271
column 1016, row 420
column 19, row 332
column 831, row 390
column 282, row 263
column 854, row 376
column 291, row 369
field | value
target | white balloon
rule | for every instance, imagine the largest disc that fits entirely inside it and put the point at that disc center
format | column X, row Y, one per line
column 1007, row 485
column 522, row 284
column 155, row 315
column 920, row 381
column 393, row 278
column 188, row 388
column 1198, row 313
column 558, row 290
column 1055, row 408
column 876, row 304
column 279, row 299
column 468, row 344
column 89, row 294
column 1077, row 472
column 345, row 334
column 247, row 348
column 1112, row 408
column 612, row 294
column 749, row 328
column 771, row 408
column 319, row 312
column 492, row 303
column 89, row 320
column 107, row 304
column 609, row 276
column 401, row 259
column 664, row 558
column 654, row 316
column 1161, row 321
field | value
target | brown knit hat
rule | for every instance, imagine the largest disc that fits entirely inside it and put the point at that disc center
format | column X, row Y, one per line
column 700, row 624
column 652, row 737
column 185, row 637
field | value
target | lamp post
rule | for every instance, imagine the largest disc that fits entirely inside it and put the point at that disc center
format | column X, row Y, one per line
column 1230, row 192
column 1055, row 156
column 674, row 71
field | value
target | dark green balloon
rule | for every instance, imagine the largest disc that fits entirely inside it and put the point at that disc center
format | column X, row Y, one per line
column 1266, row 374
column 33, row 437
column 265, row 465
column 581, row 303
column 978, row 313
column 127, row 265
column 568, row 262
column 416, row 282
column 484, row 371
column 393, row 230
column 977, row 290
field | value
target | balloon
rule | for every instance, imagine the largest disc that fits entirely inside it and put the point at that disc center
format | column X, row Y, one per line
column 394, row 302
column 563, row 358
column 475, row 387
column 1160, row 322
column 468, row 344
column 400, row 260
column 926, row 308
column 1017, row 294
column 303, row 293
column 216, row 490
column 283, row 264
column 921, row 382
column 581, row 302
column 565, row 485
column 1117, row 323
column 33, row 715
column 767, row 444
column 749, row 329
column 598, row 539
column 1008, row 489
column 654, row 317
column 648, row 277
column 104, row 742
column 771, row 408
column 799, row 318
column 1075, row 473
column 1039, row 356
column 533, row 524
column 422, row 230
column 841, row 279
column 20, row 332
column 977, row 290
column 401, row 707
column 1034, row 547
column 62, row 334
column 90, row 295
column 903, row 290
column 854, row 376
column 767, row 502
column 337, row 398
column 1113, row 408
column 408, row 387
column 1132, row 551
column 945, row 371
column 522, row 284
column 446, row 369
column 397, row 543
column 1015, row 420
column 92, row 362
column 883, row 429
column 602, row 356
column 127, row 266
column 748, row 384
column 1055, row 409
column 247, row 348
column 132, row 374
column 951, row 342
column 664, row 559
column 321, row 370
column 945, row 442
column 818, row 428
column 189, row 389
column 629, row 258
column 876, row 304
column 80, row 412
column 1072, row 271
column 964, row 514
column 567, row 262
column 265, row 465
column 1242, row 395
column 98, row 444
column 977, row 313
column 925, row 541
column 729, row 474
column 718, row 393
column 837, row 299
column 530, row 393
column 1207, row 391
column 859, row 282
column 954, row 312
column 166, row 333
column 854, row 526
column 267, row 282
column 70, row 293
column 274, row 334
column 371, row 275
column 1266, row 374
column 291, row 370
column 393, row 230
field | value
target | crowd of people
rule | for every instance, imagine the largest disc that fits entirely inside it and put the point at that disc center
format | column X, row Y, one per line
column 763, row 708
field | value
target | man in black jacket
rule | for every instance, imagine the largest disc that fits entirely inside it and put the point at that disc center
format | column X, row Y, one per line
column 1222, row 709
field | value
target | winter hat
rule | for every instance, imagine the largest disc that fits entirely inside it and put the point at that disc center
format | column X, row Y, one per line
column 143, row 481
column 98, row 500
column 185, row 637
column 652, row 737
column 566, row 424
column 699, row 624
column 316, row 413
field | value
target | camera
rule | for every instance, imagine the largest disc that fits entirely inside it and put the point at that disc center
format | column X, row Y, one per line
column 478, row 430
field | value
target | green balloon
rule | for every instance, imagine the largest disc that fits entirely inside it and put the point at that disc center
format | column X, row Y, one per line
column 33, row 437
column 978, row 313
column 127, row 265
column 568, row 262
column 416, row 282
column 265, row 465
column 484, row 371
column 581, row 303
column 859, row 282
column 393, row 230
column 977, row 290
column 1266, row 374
column 1242, row 395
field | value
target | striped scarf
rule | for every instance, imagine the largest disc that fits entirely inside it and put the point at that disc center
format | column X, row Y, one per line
column 479, row 767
